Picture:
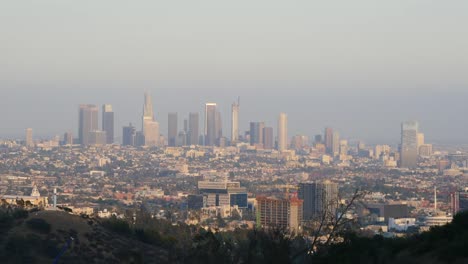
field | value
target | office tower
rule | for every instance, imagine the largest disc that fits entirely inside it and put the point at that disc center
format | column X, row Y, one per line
column 185, row 125
column 318, row 139
column 88, row 121
column 223, row 193
column 256, row 133
column 139, row 139
column 181, row 139
column 108, row 122
column 335, row 143
column 282, row 132
column 172, row 129
column 381, row 150
column 425, row 150
column 210, row 124
column 152, row 135
column 219, row 126
column 97, row 138
column 459, row 201
column 409, row 144
column 150, row 127
column 235, row 123
column 29, row 138
column 281, row 213
column 268, row 138
column 193, row 138
column 343, row 147
column 420, row 140
column 68, row 138
column 329, row 140
column 299, row 142
column 129, row 135
column 319, row 198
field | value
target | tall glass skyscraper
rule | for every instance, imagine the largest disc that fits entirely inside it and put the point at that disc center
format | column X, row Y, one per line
column 88, row 122
column 409, row 144
column 328, row 135
column 268, row 138
column 172, row 129
column 108, row 123
column 129, row 135
column 210, row 124
column 193, row 129
column 319, row 198
column 256, row 133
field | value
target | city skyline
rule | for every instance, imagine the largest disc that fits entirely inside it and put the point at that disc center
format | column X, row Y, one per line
column 361, row 67
column 122, row 123
column 244, row 122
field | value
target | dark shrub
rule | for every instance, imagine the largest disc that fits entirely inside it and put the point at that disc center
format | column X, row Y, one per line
column 39, row 225
column 20, row 213
column 117, row 225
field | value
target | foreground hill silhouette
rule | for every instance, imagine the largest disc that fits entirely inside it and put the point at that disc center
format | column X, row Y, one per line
column 444, row 244
column 40, row 236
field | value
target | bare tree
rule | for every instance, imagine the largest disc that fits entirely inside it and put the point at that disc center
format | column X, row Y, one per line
column 330, row 223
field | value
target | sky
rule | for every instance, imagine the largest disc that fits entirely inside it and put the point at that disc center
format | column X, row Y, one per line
column 359, row 66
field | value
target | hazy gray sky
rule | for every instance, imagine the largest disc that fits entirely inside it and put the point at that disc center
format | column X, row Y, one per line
column 361, row 66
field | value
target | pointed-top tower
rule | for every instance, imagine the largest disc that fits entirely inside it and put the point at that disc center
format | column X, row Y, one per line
column 150, row 127
column 148, row 108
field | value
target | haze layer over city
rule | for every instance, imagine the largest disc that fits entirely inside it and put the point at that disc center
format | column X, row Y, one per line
column 233, row 132
column 360, row 66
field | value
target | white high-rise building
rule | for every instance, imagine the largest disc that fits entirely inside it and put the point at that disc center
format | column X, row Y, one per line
column 210, row 124
column 235, row 123
column 150, row 127
column 282, row 132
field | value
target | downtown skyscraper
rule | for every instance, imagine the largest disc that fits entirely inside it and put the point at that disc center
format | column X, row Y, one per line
column 29, row 138
column 282, row 132
column 219, row 128
column 328, row 137
column 409, row 144
column 108, row 123
column 193, row 129
column 268, row 138
column 150, row 128
column 129, row 135
column 172, row 129
column 256, row 133
column 88, row 122
column 235, row 122
column 319, row 198
column 210, row 124
column 335, row 144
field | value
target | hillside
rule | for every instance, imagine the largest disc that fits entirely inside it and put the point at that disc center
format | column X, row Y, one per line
column 444, row 244
column 40, row 236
